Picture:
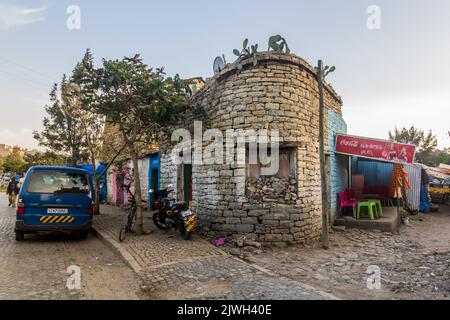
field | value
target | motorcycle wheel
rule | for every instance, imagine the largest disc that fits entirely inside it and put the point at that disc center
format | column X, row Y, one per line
column 185, row 234
column 158, row 223
column 122, row 233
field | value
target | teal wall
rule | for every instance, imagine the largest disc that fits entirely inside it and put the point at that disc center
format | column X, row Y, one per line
column 338, row 163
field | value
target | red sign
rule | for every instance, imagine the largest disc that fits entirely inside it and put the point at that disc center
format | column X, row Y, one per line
column 382, row 150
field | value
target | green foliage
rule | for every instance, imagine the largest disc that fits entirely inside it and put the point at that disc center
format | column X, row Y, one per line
column 278, row 44
column 326, row 71
column 442, row 156
column 140, row 103
column 245, row 53
column 14, row 162
column 61, row 131
column 46, row 158
column 137, row 99
column 426, row 143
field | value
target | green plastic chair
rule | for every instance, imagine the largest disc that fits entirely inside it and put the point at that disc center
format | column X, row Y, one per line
column 370, row 205
column 379, row 207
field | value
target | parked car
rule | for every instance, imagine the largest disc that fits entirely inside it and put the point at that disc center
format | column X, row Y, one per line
column 55, row 199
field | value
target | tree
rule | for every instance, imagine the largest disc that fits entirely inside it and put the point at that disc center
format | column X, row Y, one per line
column 139, row 102
column 46, row 158
column 426, row 143
column 14, row 161
column 74, row 127
column 427, row 148
column 441, row 156
column 62, row 132
column 81, row 94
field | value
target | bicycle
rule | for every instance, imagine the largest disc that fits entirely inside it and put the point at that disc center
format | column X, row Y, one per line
column 131, row 219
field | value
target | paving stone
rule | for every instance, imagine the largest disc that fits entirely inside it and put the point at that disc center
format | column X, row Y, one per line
column 171, row 268
column 36, row 268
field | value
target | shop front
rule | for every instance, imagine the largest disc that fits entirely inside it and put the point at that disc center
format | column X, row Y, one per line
column 382, row 178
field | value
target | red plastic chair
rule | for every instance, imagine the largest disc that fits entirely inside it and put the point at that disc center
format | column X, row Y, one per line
column 351, row 194
column 345, row 201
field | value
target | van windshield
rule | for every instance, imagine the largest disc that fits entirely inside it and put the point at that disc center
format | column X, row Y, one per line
column 58, row 182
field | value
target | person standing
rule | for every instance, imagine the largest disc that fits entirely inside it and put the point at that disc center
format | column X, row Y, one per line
column 12, row 191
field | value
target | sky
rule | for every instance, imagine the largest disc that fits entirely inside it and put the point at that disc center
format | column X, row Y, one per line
column 394, row 75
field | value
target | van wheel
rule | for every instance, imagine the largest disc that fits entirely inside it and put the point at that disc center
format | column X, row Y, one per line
column 20, row 236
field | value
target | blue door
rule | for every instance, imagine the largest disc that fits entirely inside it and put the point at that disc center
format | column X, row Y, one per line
column 154, row 175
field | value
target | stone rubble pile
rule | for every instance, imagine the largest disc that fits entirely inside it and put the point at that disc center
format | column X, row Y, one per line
column 272, row 189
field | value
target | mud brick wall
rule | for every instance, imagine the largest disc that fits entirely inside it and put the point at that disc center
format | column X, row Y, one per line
column 279, row 93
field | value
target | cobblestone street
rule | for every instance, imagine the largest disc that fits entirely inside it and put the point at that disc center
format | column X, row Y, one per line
column 37, row 267
column 413, row 265
column 171, row 268
column 163, row 266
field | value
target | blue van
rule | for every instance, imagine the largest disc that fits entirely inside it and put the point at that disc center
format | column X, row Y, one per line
column 58, row 199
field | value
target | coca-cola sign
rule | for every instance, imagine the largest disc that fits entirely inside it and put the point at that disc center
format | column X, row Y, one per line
column 382, row 150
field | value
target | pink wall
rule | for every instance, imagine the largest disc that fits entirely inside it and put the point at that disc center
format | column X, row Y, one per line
column 119, row 195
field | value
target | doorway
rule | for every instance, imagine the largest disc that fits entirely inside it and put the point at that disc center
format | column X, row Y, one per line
column 187, row 184
column 154, row 173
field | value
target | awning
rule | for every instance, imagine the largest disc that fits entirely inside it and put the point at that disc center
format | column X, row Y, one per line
column 376, row 149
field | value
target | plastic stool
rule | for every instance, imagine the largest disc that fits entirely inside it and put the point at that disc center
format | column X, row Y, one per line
column 370, row 205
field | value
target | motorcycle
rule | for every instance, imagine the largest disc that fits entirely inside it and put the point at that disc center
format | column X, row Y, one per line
column 170, row 214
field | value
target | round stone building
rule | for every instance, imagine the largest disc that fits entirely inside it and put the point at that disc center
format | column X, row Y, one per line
column 279, row 93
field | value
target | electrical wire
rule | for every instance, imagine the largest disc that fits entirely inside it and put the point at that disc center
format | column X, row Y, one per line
column 34, row 83
column 27, row 68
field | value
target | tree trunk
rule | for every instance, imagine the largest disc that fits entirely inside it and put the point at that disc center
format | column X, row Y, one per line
column 97, row 195
column 137, row 191
column 325, row 204
column 96, row 184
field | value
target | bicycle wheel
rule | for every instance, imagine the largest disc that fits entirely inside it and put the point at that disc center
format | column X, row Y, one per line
column 123, row 233
column 133, row 220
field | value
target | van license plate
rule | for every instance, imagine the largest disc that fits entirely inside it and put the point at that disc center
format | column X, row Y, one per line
column 57, row 211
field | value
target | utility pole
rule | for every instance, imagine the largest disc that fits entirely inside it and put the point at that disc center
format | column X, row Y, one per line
column 325, row 206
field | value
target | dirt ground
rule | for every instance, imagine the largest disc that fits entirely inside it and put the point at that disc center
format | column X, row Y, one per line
column 414, row 264
column 434, row 231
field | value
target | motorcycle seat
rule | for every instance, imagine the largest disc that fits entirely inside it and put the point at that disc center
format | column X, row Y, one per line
column 178, row 204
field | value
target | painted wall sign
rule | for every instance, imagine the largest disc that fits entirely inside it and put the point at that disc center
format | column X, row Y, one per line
column 376, row 149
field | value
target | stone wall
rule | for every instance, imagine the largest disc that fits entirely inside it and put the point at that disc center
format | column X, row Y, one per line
column 279, row 93
column 268, row 189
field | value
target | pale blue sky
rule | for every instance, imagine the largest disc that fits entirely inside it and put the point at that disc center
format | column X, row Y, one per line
column 398, row 75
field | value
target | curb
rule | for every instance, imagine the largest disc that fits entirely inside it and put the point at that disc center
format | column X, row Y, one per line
column 113, row 244
column 128, row 259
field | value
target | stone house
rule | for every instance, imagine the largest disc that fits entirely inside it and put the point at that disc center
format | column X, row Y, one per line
column 279, row 93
